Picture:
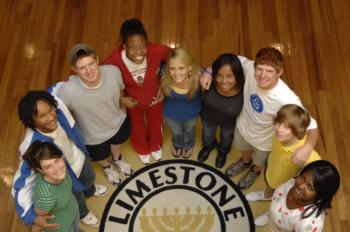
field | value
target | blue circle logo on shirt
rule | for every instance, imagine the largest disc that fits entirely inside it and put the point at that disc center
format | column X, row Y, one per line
column 257, row 103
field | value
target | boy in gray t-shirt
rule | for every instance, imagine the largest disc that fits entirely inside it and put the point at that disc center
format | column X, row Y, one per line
column 93, row 96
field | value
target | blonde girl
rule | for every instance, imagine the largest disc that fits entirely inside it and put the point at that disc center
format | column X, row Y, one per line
column 180, row 86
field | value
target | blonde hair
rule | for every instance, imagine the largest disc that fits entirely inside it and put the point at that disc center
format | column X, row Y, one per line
column 185, row 58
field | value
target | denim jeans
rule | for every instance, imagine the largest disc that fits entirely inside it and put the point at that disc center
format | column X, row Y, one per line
column 183, row 132
column 87, row 178
column 209, row 136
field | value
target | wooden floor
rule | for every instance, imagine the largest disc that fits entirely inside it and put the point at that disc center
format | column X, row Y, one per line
column 314, row 36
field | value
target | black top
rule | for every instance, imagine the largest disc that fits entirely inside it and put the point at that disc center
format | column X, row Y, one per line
column 220, row 109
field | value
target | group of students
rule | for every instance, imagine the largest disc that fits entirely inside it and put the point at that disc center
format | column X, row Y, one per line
column 88, row 116
column 275, row 132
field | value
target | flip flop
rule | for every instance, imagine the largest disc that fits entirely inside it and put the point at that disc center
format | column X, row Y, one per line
column 176, row 152
column 187, row 153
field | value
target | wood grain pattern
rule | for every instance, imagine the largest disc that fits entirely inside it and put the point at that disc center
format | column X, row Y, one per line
column 314, row 36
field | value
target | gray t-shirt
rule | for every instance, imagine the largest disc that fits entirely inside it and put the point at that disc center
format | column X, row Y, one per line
column 96, row 110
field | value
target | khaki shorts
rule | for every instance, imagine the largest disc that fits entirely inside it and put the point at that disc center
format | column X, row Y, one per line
column 259, row 156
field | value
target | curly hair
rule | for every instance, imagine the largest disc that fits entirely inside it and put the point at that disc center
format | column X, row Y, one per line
column 27, row 106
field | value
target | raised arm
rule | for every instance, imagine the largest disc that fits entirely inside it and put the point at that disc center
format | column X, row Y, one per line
column 206, row 78
column 303, row 153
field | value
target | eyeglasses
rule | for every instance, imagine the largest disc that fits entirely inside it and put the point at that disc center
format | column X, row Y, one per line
column 225, row 77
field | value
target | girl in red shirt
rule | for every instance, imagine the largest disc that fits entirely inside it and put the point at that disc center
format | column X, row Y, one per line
column 139, row 62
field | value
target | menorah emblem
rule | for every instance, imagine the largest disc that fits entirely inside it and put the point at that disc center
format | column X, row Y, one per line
column 196, row 222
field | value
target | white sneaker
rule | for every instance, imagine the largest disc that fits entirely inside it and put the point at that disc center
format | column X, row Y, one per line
column 257, row 196
column 124, row 166
column 157, row 155
column 145, row 159
column 262, row 220
column 112, row 176
column 100, row 191
column 90, row 220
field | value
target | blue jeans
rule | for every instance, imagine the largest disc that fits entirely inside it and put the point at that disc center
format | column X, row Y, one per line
column 87, row 178
column 183, row 132
column 209, row 136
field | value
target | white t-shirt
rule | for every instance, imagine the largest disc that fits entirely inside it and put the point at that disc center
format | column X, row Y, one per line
column 73, row 154
column 283, row 219
column 255, row 123
column 96, row 110
column 137, row 71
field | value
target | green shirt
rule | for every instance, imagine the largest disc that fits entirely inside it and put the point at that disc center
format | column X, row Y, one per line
column 57, row 199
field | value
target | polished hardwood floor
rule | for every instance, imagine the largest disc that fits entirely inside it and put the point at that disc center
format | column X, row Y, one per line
column 314, row 36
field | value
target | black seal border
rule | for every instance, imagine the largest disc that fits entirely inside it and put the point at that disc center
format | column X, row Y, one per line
column 177, row 161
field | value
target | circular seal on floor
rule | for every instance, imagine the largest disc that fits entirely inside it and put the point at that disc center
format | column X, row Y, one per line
column 177, row 196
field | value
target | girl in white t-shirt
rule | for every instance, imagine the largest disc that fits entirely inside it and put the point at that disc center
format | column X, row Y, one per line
column 301, row 203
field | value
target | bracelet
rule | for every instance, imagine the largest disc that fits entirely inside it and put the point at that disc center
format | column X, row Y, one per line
column 205, row 71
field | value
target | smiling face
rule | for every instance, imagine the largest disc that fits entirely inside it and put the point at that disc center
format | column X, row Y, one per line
column 267, row 76
column 45, row 120
column 136, row 48
column 284, row 134
column 87, row 70
column 304, row 190
column 178, row 71
column 54, row 170
column 225, row 80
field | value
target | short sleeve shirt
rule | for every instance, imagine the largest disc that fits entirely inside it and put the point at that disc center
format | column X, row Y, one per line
column 97, row 111
column 283, row 219
column 58, row 199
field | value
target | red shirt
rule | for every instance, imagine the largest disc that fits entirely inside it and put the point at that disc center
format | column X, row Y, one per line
column 156, row 54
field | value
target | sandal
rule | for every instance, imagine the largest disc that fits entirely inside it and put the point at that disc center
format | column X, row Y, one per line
column 187, row 153
column 176, row 152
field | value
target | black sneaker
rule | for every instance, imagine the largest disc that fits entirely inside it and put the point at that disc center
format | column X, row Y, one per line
column 220, row 159
column 204, row 153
